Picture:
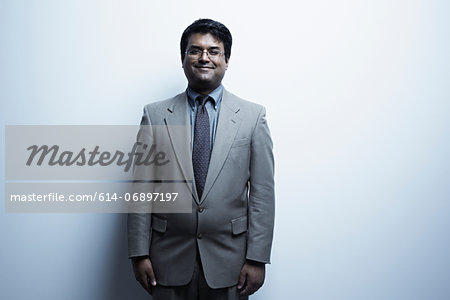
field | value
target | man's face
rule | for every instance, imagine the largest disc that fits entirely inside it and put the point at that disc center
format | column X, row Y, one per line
column 204, row 73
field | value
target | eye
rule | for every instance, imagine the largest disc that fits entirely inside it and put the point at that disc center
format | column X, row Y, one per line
column 194, row 51
column 214, row 52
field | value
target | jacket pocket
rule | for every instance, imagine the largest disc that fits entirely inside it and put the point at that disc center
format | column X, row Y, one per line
column 240, row 142
column 239, row 225
column 159, row 224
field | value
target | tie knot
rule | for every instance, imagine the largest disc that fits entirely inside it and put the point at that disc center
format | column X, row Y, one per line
column 201, row 100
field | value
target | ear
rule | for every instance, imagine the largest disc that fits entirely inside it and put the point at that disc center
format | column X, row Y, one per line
column 226, row 64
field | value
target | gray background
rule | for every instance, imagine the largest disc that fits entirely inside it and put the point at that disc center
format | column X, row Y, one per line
column 357, row 95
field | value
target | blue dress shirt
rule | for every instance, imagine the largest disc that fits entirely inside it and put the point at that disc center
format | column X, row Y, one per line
column 212, row 107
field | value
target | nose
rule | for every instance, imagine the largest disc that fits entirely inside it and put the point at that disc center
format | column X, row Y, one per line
column 204, row 56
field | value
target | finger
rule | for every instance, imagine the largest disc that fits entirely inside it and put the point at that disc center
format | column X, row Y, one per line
column 144, row 282
column 242, row 277
column 147, row 286
column 151, row 275
column 252, row 288
column 247, row 291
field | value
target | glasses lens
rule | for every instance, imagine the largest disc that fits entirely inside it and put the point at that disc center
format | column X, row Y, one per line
column 214, row 52
column 197, row 53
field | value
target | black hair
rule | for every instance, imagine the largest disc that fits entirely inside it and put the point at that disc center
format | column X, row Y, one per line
column 217, row 29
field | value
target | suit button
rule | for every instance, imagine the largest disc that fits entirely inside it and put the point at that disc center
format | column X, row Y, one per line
column 200, row 209
column 199, row 236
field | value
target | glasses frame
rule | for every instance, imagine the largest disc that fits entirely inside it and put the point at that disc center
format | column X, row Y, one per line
column 197, row 56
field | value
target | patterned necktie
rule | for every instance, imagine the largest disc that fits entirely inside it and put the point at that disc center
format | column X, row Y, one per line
column 202, row 146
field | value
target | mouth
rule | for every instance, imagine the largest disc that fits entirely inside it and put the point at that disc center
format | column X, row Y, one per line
column 204, row 68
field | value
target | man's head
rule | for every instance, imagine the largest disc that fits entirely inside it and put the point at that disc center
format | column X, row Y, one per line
column 205, row 52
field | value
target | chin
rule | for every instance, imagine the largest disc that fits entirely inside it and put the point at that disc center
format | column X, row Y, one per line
column 205, row 80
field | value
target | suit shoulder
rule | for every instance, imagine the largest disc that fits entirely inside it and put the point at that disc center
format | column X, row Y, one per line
column 245, row 104
column 163, row 104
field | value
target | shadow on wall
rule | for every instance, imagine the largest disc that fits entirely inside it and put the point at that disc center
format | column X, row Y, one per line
column 119, row 282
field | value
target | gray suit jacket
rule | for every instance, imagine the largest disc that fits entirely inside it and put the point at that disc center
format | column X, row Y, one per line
column 234, row 219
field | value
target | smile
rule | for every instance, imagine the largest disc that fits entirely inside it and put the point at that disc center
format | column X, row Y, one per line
column 204, row 68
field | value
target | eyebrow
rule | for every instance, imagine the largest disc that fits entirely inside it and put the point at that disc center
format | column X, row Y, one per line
column 198, row 47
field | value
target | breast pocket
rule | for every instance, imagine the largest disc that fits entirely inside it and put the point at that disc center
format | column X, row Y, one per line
column 240, row 143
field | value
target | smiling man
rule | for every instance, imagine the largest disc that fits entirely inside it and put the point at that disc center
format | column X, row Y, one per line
column 218, row 251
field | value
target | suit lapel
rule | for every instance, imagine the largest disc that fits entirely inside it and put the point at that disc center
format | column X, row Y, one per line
column 178, row 125
column 227, row 128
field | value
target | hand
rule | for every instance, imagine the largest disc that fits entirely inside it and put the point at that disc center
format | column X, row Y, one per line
column 143, row 271
column 251, row 277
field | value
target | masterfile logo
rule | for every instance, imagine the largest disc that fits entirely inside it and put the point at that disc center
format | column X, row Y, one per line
column 98, row 169
column 54, row 156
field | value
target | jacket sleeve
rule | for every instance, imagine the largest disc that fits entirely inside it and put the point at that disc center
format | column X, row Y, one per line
column 261, row 202
column 139, row 223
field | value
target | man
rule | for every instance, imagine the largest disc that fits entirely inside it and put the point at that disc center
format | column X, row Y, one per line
column 218, row 251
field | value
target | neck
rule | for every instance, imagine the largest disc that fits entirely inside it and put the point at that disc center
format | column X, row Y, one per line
column 203, row 90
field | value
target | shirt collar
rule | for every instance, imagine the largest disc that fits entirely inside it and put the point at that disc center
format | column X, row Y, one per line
column 216, row 95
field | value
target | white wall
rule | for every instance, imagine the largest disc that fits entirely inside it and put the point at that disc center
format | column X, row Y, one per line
column 358, row 101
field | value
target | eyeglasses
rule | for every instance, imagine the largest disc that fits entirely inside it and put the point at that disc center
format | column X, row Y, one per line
column 197, row 53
